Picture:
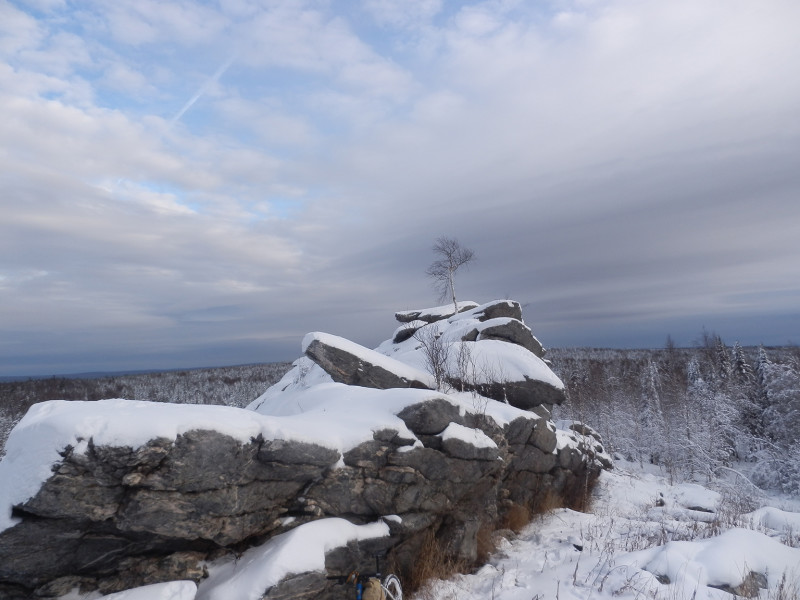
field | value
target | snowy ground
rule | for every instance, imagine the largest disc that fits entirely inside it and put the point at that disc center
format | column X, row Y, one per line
column 641, row 534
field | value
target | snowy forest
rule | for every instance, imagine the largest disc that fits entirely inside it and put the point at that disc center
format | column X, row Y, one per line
column 696, row 412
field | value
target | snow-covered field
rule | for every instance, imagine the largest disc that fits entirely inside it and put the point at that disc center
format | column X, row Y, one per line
column 643, row 539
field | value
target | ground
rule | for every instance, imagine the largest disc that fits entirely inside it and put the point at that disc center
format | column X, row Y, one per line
column 643, row 538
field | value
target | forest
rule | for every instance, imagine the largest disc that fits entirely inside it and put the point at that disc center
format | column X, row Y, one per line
column 698, row 413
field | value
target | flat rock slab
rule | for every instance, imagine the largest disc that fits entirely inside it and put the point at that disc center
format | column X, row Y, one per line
column 492, row 310
column 526, row 394
column 352, row 364
column 431, row 315
column 512, row 331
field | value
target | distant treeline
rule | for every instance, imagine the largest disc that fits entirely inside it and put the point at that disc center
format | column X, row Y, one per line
column 232, row 386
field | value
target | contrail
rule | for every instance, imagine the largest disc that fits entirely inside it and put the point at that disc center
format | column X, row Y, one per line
column 203, row 89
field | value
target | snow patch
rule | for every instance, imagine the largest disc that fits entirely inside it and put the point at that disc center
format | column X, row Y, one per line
column 173, row 590
column 300, row 550
column 775, row 519
column 474, row 437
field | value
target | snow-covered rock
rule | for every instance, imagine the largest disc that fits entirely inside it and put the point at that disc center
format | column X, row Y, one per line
column 352, row 364
column 429, row 315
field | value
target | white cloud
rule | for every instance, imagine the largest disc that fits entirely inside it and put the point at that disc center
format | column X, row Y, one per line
column 18, row 30
column 603, row 158
column 124, row 78
column 139, row 22
column 402, row 14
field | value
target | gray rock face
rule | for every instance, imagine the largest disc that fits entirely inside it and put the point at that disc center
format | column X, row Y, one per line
column 495, row 310
column 351, row 369
column 512, row 331
column 119, row 516
column 526, row 394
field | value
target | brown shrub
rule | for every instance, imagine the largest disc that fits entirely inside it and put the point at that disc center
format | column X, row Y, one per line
column 431, row 562
column 516, row 518
column 486, row 543
column 545, row 502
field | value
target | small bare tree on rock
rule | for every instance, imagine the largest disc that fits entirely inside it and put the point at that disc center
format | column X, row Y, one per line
column 451, row 256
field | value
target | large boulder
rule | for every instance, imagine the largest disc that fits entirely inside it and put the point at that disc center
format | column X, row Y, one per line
column 349, row 363
column 526, row 393
column 512, row 331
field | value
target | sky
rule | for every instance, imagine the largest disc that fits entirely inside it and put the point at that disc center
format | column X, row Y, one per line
column 201, row 183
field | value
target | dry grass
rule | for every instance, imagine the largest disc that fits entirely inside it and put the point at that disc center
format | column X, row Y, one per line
column 516, row 518
column 787, row 589
column 546, row 502
column 486, row 542
column 432, row 562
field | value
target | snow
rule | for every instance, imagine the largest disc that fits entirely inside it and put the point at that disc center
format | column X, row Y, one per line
column 173, row 590
column 500, row 361
column 618, row 550
column 722, row 560
column 696, row 497
column 773, row 518
column 298, row 551
column 474, row 437
column 371, row 356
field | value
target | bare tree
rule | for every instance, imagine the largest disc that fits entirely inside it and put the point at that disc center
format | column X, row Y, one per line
column 451, row 256
column 437, row 354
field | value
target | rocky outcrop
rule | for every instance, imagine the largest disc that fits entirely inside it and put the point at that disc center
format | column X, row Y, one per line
column 111, row 518
column 117, row 512
column 523, row 380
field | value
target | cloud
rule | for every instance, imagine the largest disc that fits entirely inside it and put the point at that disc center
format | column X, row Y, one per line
column 406, row 15
column 622, row 167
